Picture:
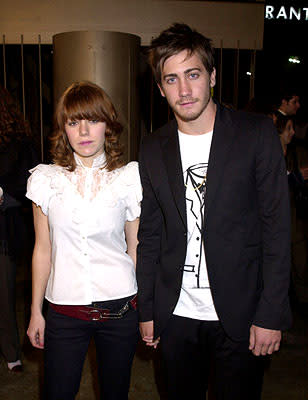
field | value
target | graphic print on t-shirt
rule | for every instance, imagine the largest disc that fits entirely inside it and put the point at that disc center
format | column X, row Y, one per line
column 195, row 183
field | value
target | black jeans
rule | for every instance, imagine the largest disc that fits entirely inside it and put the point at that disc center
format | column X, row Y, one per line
column 193, row 350
column 66, row 344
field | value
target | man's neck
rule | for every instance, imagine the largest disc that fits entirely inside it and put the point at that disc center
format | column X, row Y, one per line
column 204, row 123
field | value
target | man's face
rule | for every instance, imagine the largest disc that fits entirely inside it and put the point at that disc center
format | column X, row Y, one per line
column 290, row 107
column 186, row 84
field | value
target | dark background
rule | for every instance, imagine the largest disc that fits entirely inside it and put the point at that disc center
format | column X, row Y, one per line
column 282, row 39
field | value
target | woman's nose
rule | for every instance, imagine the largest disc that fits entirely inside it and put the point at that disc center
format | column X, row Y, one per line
column 83, row 128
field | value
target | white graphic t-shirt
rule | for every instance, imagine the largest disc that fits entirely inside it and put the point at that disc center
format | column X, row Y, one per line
column 195, row 299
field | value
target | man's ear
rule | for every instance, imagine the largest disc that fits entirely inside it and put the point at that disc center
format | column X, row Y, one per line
column 161, row 90
column 213, row 78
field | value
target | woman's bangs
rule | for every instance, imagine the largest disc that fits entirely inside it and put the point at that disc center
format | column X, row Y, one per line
column 76, row 107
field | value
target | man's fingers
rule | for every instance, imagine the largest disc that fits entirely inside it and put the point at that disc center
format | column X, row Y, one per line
column 257, row 349
column 264, row 341
column 271, row 349
column 265, row 350
column 276, row 346
column 252, row 339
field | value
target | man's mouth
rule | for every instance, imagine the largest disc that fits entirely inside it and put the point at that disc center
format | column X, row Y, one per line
column 187, row 102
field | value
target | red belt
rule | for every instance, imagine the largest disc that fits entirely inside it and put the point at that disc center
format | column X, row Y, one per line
column 89, row 313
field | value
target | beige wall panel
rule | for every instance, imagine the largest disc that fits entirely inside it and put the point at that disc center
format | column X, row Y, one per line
column 109, row 59
column 225, row 21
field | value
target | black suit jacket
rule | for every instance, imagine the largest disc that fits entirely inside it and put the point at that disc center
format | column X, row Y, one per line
column 247, row 225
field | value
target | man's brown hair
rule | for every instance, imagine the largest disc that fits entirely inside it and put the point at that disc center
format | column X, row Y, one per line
column 85, row 100
column 174, row 40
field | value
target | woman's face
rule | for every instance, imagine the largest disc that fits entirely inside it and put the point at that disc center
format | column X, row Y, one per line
column 87, row 138
column 288, row 132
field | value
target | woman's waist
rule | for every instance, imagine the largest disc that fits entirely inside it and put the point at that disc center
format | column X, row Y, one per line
column 98, row 310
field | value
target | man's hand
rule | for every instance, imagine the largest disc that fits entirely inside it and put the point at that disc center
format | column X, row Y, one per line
column 264, row 341
column 147, row 333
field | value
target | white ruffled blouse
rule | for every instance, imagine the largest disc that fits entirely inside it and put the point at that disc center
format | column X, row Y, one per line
column 87, row 210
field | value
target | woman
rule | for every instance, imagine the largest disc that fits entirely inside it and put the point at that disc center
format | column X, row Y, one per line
column 296, row 156
column 285, row 128
column 17, row 156
column 86, row 207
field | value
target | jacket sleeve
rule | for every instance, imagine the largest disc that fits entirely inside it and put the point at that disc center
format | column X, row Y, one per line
column 273, row 310
column 149, row 237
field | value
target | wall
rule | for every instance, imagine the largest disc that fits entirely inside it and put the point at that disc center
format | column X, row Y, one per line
column 224, row 21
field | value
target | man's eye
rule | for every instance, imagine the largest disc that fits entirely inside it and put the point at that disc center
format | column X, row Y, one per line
column 194, row 75
column 170, row 80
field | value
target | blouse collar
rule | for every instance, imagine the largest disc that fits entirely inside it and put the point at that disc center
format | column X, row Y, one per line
column 98, row 162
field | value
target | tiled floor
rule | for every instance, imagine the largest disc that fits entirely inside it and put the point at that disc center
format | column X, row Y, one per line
column 285, row 379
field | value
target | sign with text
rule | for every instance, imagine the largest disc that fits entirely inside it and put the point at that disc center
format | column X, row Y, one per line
column 286, row 13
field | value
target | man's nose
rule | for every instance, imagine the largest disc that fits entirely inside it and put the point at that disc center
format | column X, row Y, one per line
column 184, row 88
column 83, row 127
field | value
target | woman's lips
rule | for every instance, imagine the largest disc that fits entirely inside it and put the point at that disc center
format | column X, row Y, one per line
column 85, row 143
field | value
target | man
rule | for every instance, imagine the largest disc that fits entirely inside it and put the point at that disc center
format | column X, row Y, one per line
column 289, row 104
column 213, row 254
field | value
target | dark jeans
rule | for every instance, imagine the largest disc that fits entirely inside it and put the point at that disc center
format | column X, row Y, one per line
column 66, row 344
column 193, row 350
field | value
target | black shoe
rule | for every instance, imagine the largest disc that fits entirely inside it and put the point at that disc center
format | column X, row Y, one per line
column 17, row 369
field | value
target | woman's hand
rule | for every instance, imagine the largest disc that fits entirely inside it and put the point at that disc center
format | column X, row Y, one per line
column 36, row 331
column 147, row 333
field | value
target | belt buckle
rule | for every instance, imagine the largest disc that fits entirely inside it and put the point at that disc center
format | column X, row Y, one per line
column 95, row 315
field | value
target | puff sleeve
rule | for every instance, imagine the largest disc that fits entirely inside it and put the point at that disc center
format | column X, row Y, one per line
column 39, row 188
column 131, row 180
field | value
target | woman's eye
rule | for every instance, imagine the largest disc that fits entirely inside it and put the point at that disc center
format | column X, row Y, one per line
column 93, row 121
column 72, row 123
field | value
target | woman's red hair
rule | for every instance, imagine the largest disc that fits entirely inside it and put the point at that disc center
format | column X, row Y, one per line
column 85, row 100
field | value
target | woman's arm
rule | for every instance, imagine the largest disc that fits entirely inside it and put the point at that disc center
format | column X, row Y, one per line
column 40, row 274
column 131, row 230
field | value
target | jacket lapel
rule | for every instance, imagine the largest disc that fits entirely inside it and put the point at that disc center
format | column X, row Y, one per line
column 172, row 159
column 223, row 136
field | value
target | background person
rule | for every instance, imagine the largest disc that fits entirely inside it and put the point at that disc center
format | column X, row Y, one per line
column 296, row 156
column 86, row 209
column 289, row 103
column 17, row 156
column 285, row 128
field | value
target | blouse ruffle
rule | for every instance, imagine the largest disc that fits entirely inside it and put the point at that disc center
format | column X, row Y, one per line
column 50, row 180
column 42, row 184
column 131, row 179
